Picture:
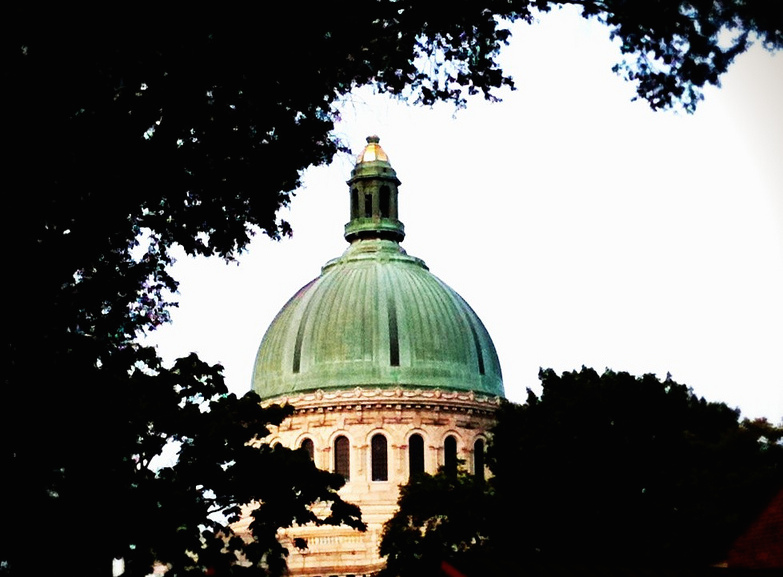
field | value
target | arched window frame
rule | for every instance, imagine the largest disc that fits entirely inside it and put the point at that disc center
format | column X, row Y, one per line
column 416, row 455
column 450, row 452
column 341, row 461
column 308, row 445
column 379, row 457
column 479, row 457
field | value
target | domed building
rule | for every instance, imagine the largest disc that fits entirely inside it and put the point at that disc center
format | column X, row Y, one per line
column 389, row 371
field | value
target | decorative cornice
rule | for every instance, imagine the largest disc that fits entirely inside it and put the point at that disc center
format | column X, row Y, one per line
column 397, row 397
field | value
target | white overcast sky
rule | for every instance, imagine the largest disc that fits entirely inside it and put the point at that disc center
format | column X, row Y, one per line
column 583, row 228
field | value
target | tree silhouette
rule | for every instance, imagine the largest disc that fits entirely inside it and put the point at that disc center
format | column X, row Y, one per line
column 442, row 518
column 616, row 468
column 602, row 472
column 130, row 131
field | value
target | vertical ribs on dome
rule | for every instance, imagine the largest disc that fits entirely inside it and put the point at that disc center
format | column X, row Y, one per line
column 477, row 344
column 394, row 338
column 298, row 349
column 299, row 338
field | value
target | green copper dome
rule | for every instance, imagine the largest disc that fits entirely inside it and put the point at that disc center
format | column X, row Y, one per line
column 376, row 317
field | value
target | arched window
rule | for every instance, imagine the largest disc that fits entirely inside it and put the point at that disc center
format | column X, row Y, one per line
column 367, row 204
column 342, row 457
column 415, row 455
column 380, row 459
column 354, row 203
column 478, row 459
column 450, row 455
column 385, row 202
column 307, row 445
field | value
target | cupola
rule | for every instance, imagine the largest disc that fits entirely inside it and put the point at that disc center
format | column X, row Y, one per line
column 374, row 187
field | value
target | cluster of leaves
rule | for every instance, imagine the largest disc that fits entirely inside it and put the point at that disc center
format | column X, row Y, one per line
column 672, row 48
column 132, row 131
column 442, row 517
column 82, row 487
column 608, row 470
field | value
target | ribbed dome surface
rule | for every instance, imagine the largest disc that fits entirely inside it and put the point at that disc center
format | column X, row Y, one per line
column 376, row 317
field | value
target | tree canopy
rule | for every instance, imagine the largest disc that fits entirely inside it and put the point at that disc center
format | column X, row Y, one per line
column 447, row 517
column 132, row 131
column 606, row 470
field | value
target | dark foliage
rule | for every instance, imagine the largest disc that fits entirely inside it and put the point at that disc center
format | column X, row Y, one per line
column 447, row 518
column 132, row 129
column 631, row 470
column 607, row 473
column 673, row 48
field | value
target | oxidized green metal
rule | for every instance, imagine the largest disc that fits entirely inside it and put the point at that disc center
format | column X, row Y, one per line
column 376, row 317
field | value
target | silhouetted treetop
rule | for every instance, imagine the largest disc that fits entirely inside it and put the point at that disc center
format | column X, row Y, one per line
column 199, row 125
column 631, row 469
column 600, row 474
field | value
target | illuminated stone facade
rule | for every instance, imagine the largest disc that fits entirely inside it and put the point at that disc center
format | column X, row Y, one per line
column 360, row 416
